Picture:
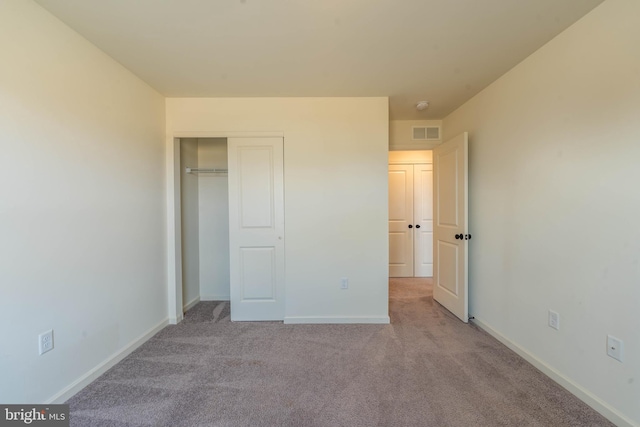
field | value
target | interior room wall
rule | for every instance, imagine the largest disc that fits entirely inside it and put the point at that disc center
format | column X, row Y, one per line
column 335, row 172
column 82, row 212
column 214, row 221
column 405, row 157
column 554, row 206
column 401, row 135
column 190, row 214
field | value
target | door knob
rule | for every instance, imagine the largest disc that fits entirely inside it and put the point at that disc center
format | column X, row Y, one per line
column 417, row 225
column 410, row 226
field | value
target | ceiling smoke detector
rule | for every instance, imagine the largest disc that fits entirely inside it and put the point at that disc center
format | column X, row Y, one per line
column 422, row 105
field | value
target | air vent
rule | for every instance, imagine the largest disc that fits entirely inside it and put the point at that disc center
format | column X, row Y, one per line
column 426, row 133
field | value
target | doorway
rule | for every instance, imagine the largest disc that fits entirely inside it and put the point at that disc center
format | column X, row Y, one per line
column 252, row 275
column 204, row 206
column 410, row 213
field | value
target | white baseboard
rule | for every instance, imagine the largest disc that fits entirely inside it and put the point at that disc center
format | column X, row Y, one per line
column 190, row 304
column 86, row 379
column 336, row 319
column 215, row 297
column 587, row 397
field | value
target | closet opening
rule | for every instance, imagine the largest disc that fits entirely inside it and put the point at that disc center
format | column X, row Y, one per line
column 204, row 209
column 411, row 213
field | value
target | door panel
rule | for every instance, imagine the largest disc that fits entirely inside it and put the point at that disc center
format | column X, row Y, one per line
column 451, row 218
column 398, row 248
column 255, row 184
column 258, row 273
column 400, row 217
column 423, row 220
column 447, row 266
column 256, row 228
column 448, row 208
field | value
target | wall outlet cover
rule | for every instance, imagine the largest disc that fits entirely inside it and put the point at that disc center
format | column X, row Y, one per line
column 614, row 347
column 554, row 320
column 45, row 341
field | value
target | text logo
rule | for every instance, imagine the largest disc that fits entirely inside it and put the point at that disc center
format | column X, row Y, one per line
column 34, row 415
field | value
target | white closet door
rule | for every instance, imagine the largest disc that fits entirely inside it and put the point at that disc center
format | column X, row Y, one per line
column 256, row 228
column 400, row 220
column 423, row 219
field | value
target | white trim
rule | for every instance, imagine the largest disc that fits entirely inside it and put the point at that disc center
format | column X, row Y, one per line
column 336, row 319
column 581, row 393
column 173, row 211
column 216, row 297
column 86, row 379
column 409, row 162
column 190, row 304
column 222, row 134
column 426, row 145
column 174, row 231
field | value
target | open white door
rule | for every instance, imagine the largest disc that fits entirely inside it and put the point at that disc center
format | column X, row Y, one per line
column 256, row 228
column 450, row 200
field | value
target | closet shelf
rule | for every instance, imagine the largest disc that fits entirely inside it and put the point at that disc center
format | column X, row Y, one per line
column 206, row 170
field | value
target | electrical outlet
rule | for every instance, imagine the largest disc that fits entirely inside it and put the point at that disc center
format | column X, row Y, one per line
column 45, row 341
column 614, row 347
column 344, row 283
column 554, row 320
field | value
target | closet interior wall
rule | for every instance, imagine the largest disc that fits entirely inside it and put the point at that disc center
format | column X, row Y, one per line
column 205, row 221
column 190, row 223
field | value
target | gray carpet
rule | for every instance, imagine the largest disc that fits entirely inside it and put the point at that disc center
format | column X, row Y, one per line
column 425, row 369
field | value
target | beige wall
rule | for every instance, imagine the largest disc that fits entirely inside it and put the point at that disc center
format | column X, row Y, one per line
column 554, row 173
column 410, row 157
column 82, row 220
column 335, row 174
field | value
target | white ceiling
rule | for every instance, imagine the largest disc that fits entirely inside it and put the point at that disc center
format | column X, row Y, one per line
column 443, row 51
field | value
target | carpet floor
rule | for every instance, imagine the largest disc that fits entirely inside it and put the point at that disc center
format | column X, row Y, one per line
column 424, row 369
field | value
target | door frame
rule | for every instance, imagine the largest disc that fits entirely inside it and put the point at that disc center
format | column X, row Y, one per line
column 422, row 156
column 174, row 214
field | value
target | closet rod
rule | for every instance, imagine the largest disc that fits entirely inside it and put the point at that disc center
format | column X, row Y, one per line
column 206, row 170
